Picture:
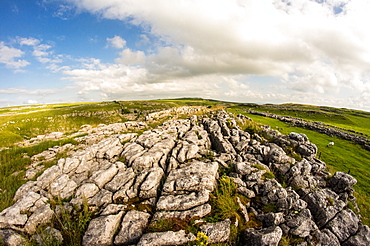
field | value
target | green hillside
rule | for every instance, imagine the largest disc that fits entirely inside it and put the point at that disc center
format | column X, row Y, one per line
column 23, row 123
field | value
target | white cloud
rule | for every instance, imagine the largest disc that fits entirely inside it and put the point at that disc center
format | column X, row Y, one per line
column 309, row 47
column 30, row 101
column 41, row 50
column 28, row 41
column 116, row 42
column 8, row 57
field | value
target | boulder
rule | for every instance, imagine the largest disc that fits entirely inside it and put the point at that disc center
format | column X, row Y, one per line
column 42, row 215
column 344, row 225
column 101, row 230
column 132, row 227
column 217, row 232
column 269, row 236
column 9, row 237
column 325, row 238
column 361, row 238
column 301, row 223
column 197, row 212
column 184, row 201
column 166, row 238
column 341, row 182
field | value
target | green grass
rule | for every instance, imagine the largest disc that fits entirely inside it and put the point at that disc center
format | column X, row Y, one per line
column 13, row 165
column 21, row 123
column 356, row 120
column 343, row 156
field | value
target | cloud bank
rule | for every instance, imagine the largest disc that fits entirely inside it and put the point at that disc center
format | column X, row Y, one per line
column 310, row 51
column 306, row 46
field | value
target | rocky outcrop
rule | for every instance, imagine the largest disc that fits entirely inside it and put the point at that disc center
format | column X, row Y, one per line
column 159, row 188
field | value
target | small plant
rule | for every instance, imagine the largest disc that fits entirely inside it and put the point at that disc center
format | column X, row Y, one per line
column 210, row 155
column 269, row 175
column 253, row 222
column 201, row 239
column 258, row 166
column 329, row 201
column 290, row 240
column 170, row 224
column 72, row 225
column 224, row 201
column 269, row 208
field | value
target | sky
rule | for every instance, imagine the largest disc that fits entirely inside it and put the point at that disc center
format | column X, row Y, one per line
column 266, row 51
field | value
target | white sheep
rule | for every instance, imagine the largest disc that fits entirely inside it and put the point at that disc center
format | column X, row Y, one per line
column 330, row 144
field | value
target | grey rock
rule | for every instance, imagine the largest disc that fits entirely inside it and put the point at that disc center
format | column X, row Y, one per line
column 298, row 137
column 166, row 238
column 70, row 165
column 121, row 178
column 62, row 187
column 101, row 177
column 217, row 232
column 187, row 152
column 275, row 154
column 361, row 238
column 14, row 215
column 196, row 176
column 307, row 150
column 271, row 219
column 344, row 225
column 197, row 212
column 113, row 209
column 152, row 157
column 243, row 168
column 149, row 188
column 132, row 151
column 85, row 191
column 301, row 223
column 41, row 216
column 48, row 235
column 341, row 182
column 11, row 238
column 48, row 176
column 101, row 230
column 184, row 201
column 132, row 227
column 269, row 236
column 25, row 188
column 325, row 238
column 101, row 199
column 324, row 205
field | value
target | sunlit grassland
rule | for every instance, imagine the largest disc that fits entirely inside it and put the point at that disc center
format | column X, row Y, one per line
column 356, row 120
column 13, row 163
column 344, row 156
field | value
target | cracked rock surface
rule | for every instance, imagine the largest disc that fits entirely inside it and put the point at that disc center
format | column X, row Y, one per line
column 135, row 183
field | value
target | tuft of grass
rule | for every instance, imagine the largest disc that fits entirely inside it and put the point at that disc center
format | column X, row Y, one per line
column 269, row 208
column 224, row 201
column 72, row 225
column 268, row 175
column 13, row 163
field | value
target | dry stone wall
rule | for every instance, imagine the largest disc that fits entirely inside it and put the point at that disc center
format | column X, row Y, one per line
column 132, row 183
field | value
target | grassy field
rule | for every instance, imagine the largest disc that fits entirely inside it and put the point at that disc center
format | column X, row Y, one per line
column 356, row 120
column 343, row 156
column 22, row 123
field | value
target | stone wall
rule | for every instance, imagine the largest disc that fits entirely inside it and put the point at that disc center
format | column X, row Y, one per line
column 320, row 127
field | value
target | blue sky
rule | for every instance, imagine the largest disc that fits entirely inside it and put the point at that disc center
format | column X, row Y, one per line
column 267, row 51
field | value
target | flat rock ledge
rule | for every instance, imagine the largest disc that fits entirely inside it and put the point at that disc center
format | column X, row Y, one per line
column 134, row 183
